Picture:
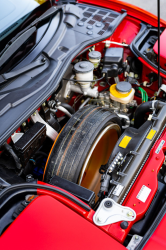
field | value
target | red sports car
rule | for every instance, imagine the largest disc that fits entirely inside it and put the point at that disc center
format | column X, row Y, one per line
column 82, row 126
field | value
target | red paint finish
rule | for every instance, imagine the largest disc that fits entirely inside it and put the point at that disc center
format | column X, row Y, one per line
column 48, row 224
column 151, row 68
column 126, row 31
column 62, row 199
column 157, row 240
column 147, row 177
column 162, row 49
column 132, row 10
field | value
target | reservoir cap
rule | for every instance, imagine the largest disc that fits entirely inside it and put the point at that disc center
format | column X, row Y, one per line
column 83, row 67
column 123, row 87
column 94, row 54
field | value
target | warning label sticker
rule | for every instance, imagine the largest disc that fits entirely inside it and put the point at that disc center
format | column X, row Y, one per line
column 143, row 193
column 117, row 191
column 160, row 147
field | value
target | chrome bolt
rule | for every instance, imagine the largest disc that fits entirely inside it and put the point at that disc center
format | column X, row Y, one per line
column 43, row 59
column 129, row 214
column 136, row 237
column 100, row 219
column 24, row 124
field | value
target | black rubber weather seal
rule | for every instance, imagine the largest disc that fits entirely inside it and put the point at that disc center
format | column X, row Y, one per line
column 134, row 46
column 152, row 228
column 38, row 186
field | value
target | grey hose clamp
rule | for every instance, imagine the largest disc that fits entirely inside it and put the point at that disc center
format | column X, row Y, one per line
column 153, row 106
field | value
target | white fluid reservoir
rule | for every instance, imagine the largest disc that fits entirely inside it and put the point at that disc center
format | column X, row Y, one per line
column 84, row 72
column 95, row 57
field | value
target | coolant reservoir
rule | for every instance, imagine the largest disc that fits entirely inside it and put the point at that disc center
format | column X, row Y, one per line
column 95, row 57
column 122, row 92
column 84, row 72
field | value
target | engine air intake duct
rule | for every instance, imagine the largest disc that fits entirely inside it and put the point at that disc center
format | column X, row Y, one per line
column 142, row 110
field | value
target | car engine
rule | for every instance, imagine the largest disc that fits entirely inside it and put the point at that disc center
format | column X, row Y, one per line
column 101, row 133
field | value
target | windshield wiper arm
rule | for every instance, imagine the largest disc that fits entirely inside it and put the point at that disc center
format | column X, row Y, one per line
column 7, row 76
column 46, row 14
column 16, row 45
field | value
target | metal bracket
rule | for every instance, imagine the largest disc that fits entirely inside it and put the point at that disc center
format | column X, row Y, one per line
column 111, row 212
column 113, row 182
column 133, row 153
column 121, row 174
column 154, row 118
column 51, row 133
column 135, row 240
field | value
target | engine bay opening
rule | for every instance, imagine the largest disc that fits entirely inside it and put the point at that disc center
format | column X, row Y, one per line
column 99, row 134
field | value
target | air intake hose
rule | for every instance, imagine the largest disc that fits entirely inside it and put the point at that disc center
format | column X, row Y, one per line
column 142, row 110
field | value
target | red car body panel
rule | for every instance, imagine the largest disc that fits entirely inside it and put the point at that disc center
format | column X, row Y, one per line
column 48, row 224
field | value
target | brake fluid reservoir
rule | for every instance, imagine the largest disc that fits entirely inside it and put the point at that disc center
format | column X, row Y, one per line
column 122, row 92
column 84, row 72
column 95, row 57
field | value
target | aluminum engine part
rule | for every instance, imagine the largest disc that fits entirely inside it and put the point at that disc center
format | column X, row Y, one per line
column 110, row 212
column 77, row 88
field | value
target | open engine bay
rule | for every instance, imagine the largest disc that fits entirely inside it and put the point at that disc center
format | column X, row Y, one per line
column 88, row 115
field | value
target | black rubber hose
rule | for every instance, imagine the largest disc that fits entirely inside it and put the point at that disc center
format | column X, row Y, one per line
column 141, row 111
column 68, row 107
column 152, row 228
column 23, row 187
column 9, row 149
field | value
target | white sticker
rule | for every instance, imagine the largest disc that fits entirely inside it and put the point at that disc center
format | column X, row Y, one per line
column 118, row 190
column 160, row 146
column 143, row 193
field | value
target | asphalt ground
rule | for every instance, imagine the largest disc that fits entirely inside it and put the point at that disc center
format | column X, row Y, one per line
column 150, row 5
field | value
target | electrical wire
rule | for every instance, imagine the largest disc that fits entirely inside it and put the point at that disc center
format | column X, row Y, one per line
column 84, row 103
column 64, row 110
column 144, row 95
column 107, row 81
